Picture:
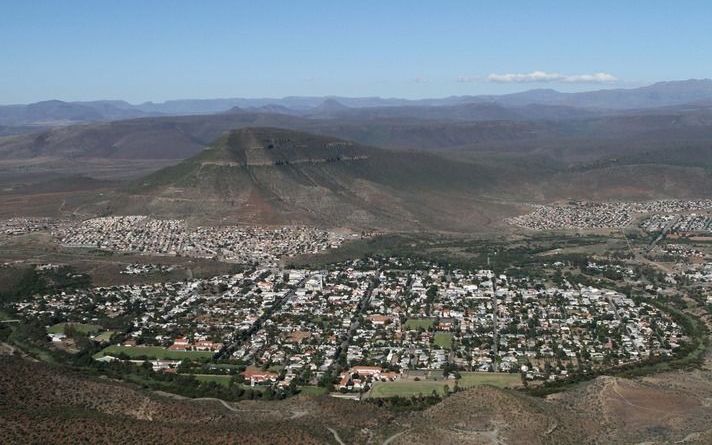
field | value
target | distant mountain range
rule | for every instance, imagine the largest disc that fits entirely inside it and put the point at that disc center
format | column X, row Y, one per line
column 567, row 136
column 455, row 166
column 533, row 104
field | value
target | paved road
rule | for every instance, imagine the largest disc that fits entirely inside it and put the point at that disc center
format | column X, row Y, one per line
column 495, row 328
column 244, row 336
column 664, row 232
column 362, row 306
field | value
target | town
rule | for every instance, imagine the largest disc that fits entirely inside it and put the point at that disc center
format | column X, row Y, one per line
column 21, row 226
column 173, row 237
column 589, row 215
column 678, row 224
column 365, row 321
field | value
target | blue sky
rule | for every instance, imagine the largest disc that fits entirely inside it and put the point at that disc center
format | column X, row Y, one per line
column 157, row 50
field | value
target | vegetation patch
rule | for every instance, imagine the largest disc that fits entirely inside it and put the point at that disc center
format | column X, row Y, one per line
column 105, row 336
column 499, row 379
column 419, row 323
column 215, row 378
column 81, row 328
column 153, row 352
column 313, row 390
column 408, row 388
column 443, row 339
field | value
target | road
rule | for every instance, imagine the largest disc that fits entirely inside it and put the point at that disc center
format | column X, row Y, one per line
column 664, row 232
column 336, row 436
column 394, row 437
column 293, row 414
column 244, row 336
column 362, row 306
column 495, row 327
column 6, row 349
column 641, row 258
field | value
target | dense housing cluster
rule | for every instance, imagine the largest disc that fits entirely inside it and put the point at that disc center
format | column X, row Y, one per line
column 174, row 237
column 681, row 224
column 474, row 320
column 311, row 328
column 700, row 273
column 378, row 318
column 586, row 215
column 21, row 226
column 216, row 309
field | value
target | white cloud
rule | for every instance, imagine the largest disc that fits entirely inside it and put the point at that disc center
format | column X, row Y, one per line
column 543, row 76
column 468, row 79
column 593, row 78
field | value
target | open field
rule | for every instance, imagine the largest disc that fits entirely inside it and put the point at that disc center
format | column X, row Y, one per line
column 155, row 352
column 407, row 388
column 419, row 323
column 82, row 328
column 499, row 379
column 219, row 379
column 443, row 339
column 104, row 267
column 312, row 390
column 105, row 336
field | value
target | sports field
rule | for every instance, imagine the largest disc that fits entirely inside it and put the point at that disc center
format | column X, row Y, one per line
column 419, row 323
column 406, row 388
column 219, row 379
column 500, row 379
column 443, row 339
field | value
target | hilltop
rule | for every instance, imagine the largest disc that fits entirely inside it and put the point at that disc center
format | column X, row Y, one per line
column 277, row 176
column 465, row 177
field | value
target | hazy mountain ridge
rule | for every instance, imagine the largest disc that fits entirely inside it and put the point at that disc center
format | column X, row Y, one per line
column 662, row 94
column 572, row 139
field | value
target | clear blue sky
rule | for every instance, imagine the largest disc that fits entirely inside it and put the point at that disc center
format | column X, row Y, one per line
column 157, row 50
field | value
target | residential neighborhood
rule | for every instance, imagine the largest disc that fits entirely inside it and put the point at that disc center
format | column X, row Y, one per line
column 175, row 237
column 371, row 320
column 592, row 215
column 147, row 235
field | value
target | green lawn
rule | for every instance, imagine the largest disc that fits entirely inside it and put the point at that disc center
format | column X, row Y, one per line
column 419, row 323
column 313, row 390
column 82, row 328
column 220, row 379
column 443, row 339
column 155, row 352
column 500, row 379
column 406, row 388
